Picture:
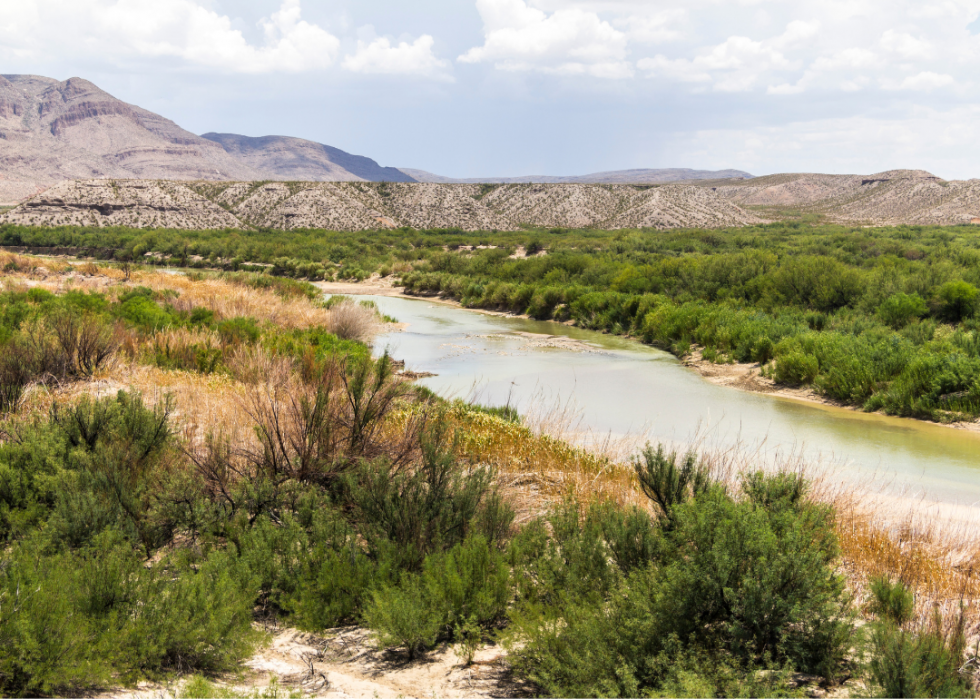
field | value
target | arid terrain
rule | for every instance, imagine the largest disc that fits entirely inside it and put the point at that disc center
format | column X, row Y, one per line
column 350, row 206
column 888, row 198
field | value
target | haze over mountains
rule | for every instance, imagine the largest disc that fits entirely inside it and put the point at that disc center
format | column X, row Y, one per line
column 51, row 131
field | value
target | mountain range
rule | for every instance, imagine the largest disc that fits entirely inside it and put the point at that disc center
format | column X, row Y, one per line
column 51, row 131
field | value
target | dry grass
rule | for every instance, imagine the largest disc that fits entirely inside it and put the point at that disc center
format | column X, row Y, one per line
column 224, row 298
column 350, row 320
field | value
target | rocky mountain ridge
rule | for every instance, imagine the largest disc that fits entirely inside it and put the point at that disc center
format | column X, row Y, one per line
column 635, row 176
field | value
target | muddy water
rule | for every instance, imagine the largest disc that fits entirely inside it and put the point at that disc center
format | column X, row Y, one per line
column 622, row 387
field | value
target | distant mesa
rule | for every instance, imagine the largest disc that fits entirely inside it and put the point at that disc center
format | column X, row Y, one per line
column 641, row 176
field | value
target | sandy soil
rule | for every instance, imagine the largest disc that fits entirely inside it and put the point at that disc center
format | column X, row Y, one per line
column 375, row 286
column 345, row 662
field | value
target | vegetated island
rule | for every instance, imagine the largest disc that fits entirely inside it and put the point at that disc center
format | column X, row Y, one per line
column 207, row 483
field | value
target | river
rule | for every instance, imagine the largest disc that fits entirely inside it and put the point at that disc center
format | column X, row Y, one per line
column 622, row 387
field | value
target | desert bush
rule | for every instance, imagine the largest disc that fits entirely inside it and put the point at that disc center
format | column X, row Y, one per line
column 69, row 621
column 352, row 321
column 892, row 602
column 923, row 663
column 402, row 616
column 750, row 580
column 666, row 483
column 899, row 310
column 411, row 513
column 316, row 433
column 957, row 300
column 796, row 369
column 469, row 583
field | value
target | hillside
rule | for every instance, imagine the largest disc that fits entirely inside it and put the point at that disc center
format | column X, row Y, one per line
column 350, row 206
column 52, row 131
column 636, row 176
column 287, row 158
column 885, row 198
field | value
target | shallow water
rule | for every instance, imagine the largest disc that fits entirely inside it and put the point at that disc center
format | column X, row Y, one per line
column 622, row 387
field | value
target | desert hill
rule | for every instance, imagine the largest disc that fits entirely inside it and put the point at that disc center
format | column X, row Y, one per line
column 885, row 198
column 52, row 131
column 352, row 206
column 637, row 176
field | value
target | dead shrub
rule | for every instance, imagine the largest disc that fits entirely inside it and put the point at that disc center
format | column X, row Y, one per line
column 314, row 432
column 352, row 321
column 85, row 344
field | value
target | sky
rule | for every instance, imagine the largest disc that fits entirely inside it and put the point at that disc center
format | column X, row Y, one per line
column 470, row 88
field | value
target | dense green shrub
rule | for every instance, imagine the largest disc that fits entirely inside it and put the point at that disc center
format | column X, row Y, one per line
column 401, row 615
column 668, row 484
column 68, row 621
column 470, row 582
column 749, row 580
column 900, row 309
column 410, row 515
column 796, row 368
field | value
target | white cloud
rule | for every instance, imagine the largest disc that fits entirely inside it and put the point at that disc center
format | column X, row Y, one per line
column 926, row 81
column 654, row 28
column 518, row 37
column 380, row 56
column 182, row 29
column 735, row 65
column 905, row 45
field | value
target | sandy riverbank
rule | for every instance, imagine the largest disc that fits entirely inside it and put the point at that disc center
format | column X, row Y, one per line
column 748, row 377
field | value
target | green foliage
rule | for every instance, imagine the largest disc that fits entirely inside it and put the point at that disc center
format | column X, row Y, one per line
column 744, row 583
column 239, row 330
column 796, row 369
column 402, row 616
column 409, row 515
column 469, row 584
column 668, row 484
column 892, row 602
column 68, row 620
column 957, row 300
column 924, row 664
column 901, row 309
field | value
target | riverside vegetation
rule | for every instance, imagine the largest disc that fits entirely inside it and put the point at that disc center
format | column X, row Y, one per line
column 879, row 318
column 185, row 455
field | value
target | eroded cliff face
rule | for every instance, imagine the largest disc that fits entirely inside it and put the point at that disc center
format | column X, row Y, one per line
column 354, row 206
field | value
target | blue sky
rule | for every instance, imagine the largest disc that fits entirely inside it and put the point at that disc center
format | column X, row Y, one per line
column 514, row 87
